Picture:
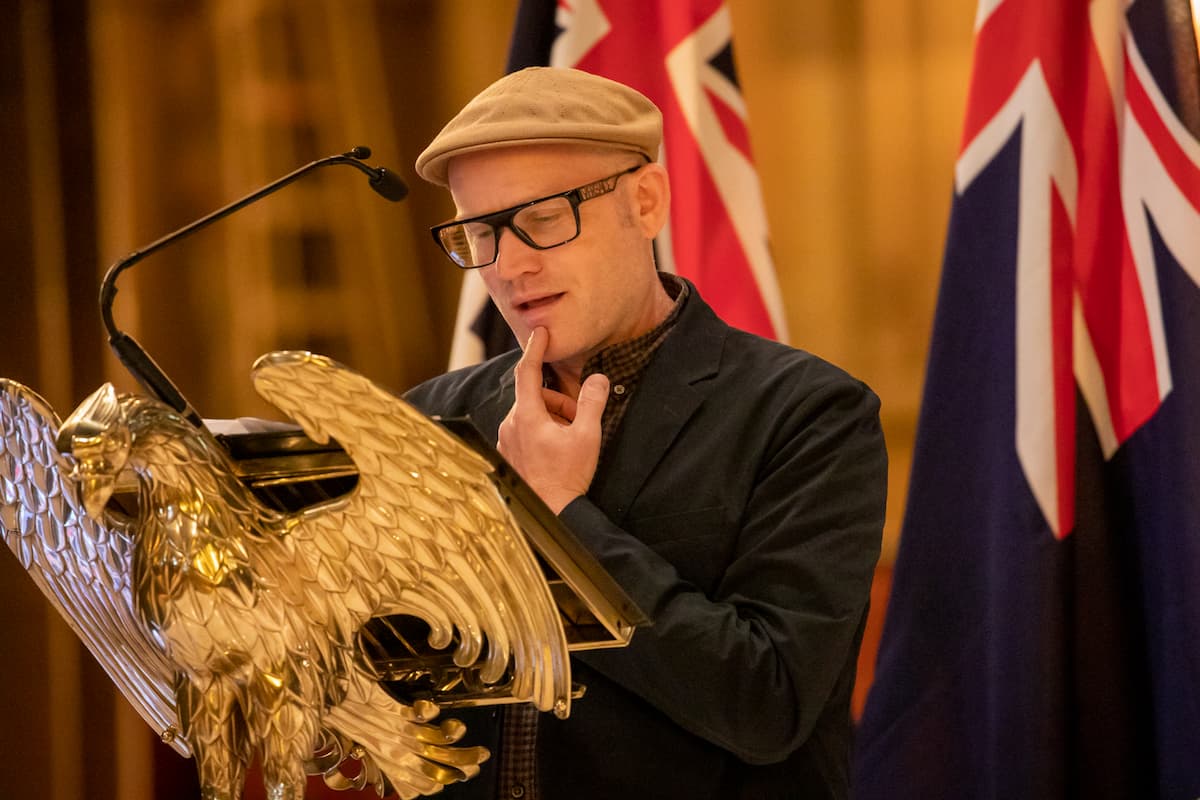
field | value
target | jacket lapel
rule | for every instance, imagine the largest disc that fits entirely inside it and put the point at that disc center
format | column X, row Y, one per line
column 488, row 415
column 675, row 383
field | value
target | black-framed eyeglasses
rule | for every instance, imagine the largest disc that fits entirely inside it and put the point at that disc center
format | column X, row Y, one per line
column 542, row 224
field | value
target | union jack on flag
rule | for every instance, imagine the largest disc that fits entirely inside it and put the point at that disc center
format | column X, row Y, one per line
column 679, row 53
column 1043, row 635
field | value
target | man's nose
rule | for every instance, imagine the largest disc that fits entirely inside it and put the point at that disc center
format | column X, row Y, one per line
column 514, row 257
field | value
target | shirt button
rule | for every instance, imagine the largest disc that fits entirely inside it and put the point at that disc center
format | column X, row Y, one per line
column 619, row 389
column 516, row 790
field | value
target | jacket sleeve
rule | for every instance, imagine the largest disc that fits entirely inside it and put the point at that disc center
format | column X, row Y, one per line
column 750, row 664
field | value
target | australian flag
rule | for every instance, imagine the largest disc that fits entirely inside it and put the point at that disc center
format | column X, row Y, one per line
column 1043, row 635
column 679, row 53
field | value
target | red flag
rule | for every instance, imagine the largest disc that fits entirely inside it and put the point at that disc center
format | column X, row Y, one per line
column 679, row 53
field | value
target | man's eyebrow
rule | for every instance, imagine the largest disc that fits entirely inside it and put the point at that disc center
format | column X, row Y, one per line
column 462, row 217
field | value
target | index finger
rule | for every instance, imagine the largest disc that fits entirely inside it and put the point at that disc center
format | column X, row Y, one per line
column 528, row 372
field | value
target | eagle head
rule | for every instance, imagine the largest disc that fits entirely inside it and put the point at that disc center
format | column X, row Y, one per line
column 97, row 436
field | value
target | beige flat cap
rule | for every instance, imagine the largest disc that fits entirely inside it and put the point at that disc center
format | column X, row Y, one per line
column 546, row 105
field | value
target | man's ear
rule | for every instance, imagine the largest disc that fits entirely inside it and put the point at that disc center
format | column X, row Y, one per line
column 652, row 199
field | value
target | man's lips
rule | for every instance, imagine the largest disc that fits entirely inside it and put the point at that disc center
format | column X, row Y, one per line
column 535, row 302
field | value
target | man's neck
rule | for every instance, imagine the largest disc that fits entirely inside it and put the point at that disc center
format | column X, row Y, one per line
column 568, row 373
column 568, row 376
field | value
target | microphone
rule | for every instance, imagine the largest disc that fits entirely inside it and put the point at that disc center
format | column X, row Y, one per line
column 131, row 354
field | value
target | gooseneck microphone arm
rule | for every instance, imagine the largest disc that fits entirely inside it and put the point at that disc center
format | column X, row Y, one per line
column 131, row 354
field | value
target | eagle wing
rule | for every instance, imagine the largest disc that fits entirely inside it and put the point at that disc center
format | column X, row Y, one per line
column 425, row 532
column 81, row 565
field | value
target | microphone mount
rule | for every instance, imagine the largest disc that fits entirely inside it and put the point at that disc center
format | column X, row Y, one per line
column 131, row 354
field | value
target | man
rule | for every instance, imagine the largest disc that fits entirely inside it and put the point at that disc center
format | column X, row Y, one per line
column 733, row 486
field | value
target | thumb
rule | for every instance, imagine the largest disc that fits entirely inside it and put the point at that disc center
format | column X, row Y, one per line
column 593, row 396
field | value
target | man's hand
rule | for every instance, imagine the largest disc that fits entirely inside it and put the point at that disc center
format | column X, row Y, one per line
column 551, row 440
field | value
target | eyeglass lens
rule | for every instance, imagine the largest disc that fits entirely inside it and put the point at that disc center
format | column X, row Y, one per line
column 546, row 224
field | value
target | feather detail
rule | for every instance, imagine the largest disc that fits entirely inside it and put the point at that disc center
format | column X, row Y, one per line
column 427, row 491
column 81, row 566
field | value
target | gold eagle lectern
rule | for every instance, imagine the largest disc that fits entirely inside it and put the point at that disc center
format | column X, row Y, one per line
column 242, row 626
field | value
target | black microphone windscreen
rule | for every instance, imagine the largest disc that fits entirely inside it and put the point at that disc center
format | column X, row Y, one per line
column 389, row 185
